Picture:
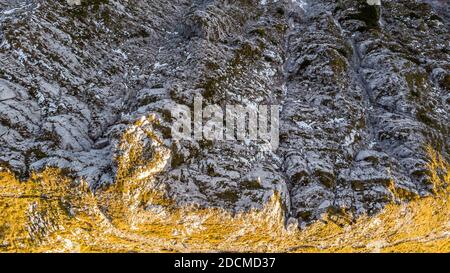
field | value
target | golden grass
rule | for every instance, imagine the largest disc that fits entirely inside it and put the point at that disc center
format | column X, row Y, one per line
column 52, row 213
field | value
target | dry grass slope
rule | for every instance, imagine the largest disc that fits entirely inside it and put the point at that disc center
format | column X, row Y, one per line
column 53, row 213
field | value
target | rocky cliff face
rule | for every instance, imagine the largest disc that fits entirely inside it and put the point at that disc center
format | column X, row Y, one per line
column 88, row 87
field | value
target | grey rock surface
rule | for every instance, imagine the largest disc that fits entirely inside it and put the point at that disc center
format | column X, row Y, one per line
column 363, row 89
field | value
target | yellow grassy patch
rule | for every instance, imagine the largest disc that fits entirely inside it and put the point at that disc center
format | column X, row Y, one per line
column 52, row 213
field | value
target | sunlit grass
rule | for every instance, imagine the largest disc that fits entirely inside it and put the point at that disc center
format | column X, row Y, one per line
column 51, row 213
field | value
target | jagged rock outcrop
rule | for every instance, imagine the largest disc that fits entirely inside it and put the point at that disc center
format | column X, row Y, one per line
column 364, row 89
